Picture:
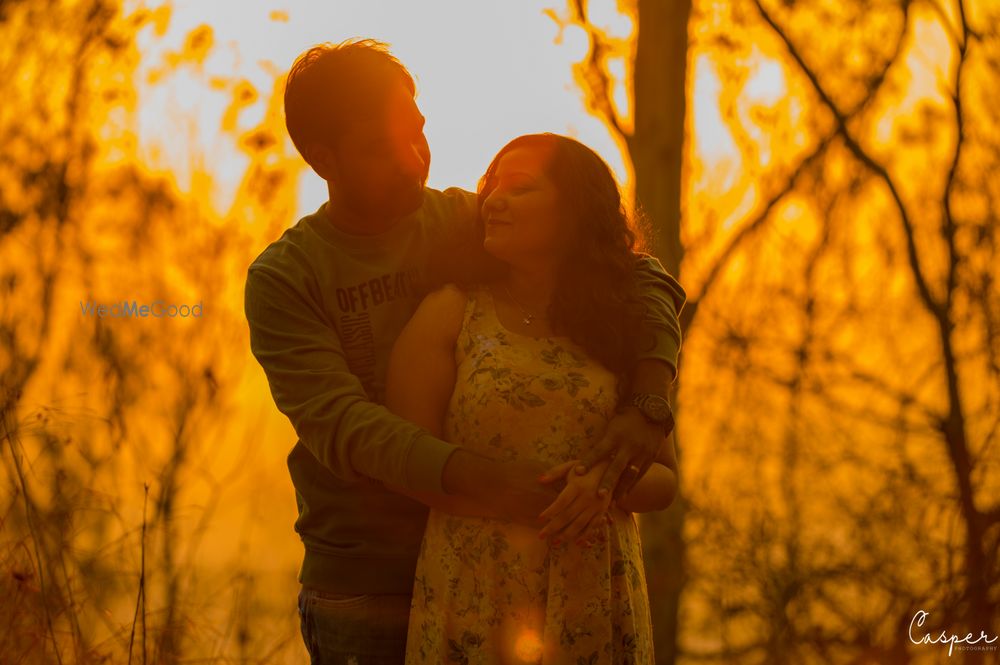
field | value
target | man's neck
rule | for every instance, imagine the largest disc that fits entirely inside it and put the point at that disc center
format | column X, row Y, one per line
column 351, row 222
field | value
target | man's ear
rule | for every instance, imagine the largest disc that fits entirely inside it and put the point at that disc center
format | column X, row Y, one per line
column 322, row 160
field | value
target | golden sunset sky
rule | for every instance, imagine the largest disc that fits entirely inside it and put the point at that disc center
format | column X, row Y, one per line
column 486, row 72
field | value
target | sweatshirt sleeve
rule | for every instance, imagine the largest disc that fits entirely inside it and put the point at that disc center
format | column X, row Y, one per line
column 664, row 298
column 312, row 385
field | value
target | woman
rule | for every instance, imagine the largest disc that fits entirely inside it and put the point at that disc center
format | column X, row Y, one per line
column 530, row 365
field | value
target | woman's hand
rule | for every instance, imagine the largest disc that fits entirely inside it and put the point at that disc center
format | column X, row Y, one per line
column 580, row 506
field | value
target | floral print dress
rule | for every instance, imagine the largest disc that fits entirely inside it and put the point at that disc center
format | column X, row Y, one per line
column 489, row 591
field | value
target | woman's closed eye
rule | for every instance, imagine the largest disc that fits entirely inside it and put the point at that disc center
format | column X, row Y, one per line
column 518, row 186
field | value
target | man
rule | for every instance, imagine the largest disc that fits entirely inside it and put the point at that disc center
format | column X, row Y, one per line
column 325, row 303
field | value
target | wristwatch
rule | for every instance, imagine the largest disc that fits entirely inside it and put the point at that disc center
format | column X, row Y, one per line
column 655, row 409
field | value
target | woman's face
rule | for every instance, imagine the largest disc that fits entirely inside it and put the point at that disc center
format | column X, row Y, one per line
column 522, row 216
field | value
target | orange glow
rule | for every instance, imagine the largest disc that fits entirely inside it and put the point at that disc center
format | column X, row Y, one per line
column 528, row 647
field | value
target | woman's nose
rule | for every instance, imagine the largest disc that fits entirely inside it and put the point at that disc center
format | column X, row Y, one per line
column 495, row 202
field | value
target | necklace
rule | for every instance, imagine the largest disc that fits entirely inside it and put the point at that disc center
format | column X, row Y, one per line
column 528, row 316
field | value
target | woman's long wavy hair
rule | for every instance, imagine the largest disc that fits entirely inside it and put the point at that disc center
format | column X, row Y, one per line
column 596, row 300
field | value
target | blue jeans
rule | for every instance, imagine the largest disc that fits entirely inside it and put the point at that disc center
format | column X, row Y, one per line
column 345, row 629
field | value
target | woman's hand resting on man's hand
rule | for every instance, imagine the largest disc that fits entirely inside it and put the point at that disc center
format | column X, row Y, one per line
column 580, row 509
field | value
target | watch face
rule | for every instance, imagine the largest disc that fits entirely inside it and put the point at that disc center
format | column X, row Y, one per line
column 654, row 407
column 657, row 409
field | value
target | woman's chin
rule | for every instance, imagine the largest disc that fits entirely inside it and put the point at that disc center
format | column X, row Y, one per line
column 496, row 248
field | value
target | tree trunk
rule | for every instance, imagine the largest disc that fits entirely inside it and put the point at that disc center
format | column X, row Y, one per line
column 656, row 151
column 657, row 142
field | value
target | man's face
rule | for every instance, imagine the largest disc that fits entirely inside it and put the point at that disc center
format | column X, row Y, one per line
column 382, row 162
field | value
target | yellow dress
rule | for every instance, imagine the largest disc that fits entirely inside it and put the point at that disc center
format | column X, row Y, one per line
column 489, row 591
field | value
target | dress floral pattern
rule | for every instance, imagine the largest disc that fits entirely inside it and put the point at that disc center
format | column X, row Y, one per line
column 489, row 591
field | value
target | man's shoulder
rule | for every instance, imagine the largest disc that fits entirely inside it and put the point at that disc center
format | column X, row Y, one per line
column 448, row 206
column 288, row 248
column 451, row 195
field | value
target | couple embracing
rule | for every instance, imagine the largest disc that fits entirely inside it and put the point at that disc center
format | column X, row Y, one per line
column 478, row 385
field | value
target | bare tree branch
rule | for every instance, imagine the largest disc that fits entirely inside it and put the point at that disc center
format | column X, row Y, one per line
column 691, row 309
column 599, row 86
column 950, row 226
column 862, row 155
column 953, row 426
column 749, row 229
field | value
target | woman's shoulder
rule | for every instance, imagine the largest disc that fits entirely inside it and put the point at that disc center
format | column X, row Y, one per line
column 452, row 308
column 444, row 307
column 447, row 297
column 454, row 295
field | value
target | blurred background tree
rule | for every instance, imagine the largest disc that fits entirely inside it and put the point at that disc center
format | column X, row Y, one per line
column 92, row 410
column 840, row 397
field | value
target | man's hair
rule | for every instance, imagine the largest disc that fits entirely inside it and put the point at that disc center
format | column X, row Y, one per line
column 330, row 86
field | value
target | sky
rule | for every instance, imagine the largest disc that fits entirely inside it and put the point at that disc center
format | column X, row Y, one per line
column 486, row 72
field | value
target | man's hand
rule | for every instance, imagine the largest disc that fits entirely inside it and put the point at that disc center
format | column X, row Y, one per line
column 631, row 444
column 514, row 489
